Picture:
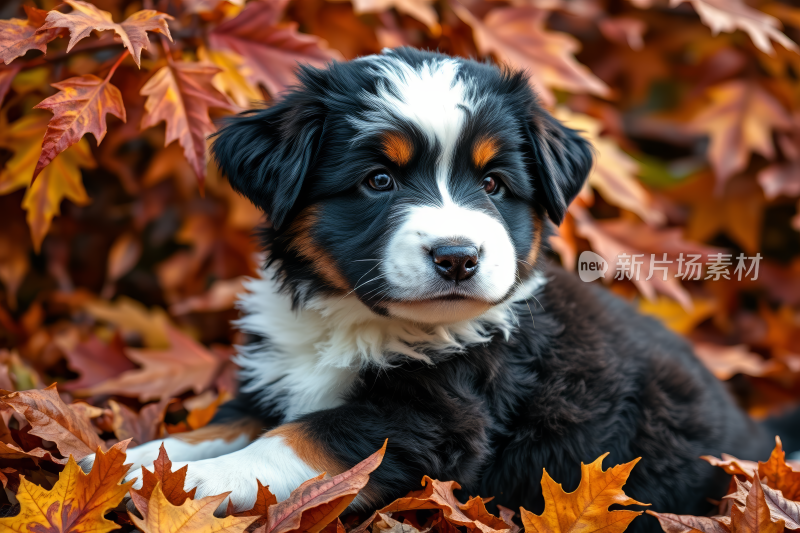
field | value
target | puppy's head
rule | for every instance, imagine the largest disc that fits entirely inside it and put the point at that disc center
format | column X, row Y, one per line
column 417, row 182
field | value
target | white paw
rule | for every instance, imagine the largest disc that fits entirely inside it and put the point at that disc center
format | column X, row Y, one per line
column 211, row 477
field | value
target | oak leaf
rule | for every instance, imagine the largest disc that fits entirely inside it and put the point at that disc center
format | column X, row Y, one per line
column 318, row 502
column 77, row 502
column 86, row 18
column 170, row 483
column 18, row 36
column 730, row 15
column 185, row 365
column 585, row 509
column 516, row 35
column 271, row 50
column 51, row 419
column 193, row 516
column 180, row 94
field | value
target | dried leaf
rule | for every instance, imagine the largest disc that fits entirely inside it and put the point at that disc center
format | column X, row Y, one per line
column 77, row 502
column 422, row 10
column 53, row 420
column 193, row 516
column 80, row 107
column 585, row 509
column 86, row 18
column 672, row 523
column 778, row 474
column 756, row 517
column 271, row 50
column 18, row 36
column 317, row 502
column 131, row 316
column 727, row 361
column 143, row 427
column 169, row 483
column 180, row 95
column 780, row 508
column 96, row 361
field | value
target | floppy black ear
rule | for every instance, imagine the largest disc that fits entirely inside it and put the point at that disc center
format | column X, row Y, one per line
column 562, row 160
column 266, row 154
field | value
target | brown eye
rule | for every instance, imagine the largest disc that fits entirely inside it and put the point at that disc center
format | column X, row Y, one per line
column 381, row 181
column 490, row 185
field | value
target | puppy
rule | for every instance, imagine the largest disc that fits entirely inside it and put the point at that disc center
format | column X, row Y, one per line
column 406, row 297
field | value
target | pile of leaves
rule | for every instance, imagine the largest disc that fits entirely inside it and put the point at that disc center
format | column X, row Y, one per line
column 121, row 252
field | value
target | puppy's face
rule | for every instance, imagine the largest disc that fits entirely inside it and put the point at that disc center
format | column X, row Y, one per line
column 417, row 182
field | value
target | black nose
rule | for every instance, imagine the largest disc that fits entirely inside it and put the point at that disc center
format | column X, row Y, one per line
column 455, row 263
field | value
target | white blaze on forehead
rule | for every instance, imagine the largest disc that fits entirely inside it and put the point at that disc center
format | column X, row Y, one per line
column 431, row 96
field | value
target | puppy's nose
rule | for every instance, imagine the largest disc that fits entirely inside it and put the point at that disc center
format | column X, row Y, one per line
column 455, row 263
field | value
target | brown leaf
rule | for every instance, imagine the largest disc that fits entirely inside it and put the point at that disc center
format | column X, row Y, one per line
column 170, row 483
column 317, row 502
column 271, row 50
column 422, row 10
column 585, row 509
column 96, row 361
column 180, row 94
column 756, row 517
column 732, row 465
column 18, row 36
column 53, row 420
column 780, row 508
column 516, row 36
column 186, row 365
column 12, row 451
column 507, row 516
column 672, row 523
column 86, row 18
column 779, row 475
column 727, row 361
column 143, row 427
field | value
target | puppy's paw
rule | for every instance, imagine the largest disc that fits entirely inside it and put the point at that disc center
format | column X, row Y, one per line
column 211, row 477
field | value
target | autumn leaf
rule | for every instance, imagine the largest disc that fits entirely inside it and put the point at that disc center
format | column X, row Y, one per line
column 180, row 94
column 193, row 516
column 169, row 483
column 739, row 119
column 80, row 107
column 271, row 50
column 11, row 451
column 317, row 502
column 185, row 365
column 585, row 509
column 233, row 78
column 727, row 361
column 86, row 18
column 516, row 36
column 18, row 36
column 96, row 361
column 53, row 420
column 422, row 10
column 780, row 475
column 756, row 516
column 77, row 502
column 732, row 465
column 730, row 15
column 133, row 317
column 672, row 523
column 141, row 427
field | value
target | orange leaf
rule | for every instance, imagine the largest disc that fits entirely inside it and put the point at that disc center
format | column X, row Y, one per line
column 180, row 95
column 80, row 107
column 780, row 508
column 53, row 420
column 317, row 502
column 85, row 18
column 779, row 475
column 78, row 501
column 272, row 51
column 17, row 36
column 193, row 516
column 732, row 465
column 516, row 35
column 171, row 483
column 586, row 509
column 756, row 517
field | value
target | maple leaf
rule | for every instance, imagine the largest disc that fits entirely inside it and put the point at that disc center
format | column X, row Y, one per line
column 96, row 361
column 77, row 502
column 193, row 516
column 585, row 509
column 730, row 15
column 80, row 107
column 170, row 483
column 271, row 50
column 180, row 94
column 18, row 36
column 516, row 35
column 143, row 427
column 86, row 18
column 7, row 75
column 186, row 365
column 51, row 419
column 739, row 120
column 756, row 516
column 317, row 502
column 778, row 474
column 614, row 171
column 233, row 79
column 780, row 508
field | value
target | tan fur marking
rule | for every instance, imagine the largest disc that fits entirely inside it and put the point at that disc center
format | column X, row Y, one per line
column 228, row 432
column 484, row 150
column 397, row 148
column 303, row 243
column 310, row 452
column 536, row 244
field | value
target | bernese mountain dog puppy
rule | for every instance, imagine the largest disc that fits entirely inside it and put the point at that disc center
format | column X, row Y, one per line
column 406, row 296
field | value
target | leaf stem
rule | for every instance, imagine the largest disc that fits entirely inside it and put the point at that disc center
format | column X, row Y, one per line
column 119, row 61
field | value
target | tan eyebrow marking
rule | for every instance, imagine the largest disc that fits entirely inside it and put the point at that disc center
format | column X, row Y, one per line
column 484, row 150
column 397, row 148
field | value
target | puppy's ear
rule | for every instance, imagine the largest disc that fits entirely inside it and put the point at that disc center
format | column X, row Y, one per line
column 561, row 162
column 266, row 154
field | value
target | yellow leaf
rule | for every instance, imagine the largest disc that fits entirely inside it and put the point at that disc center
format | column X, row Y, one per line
column 233, row 78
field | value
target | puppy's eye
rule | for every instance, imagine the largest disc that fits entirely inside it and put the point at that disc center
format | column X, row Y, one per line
column 490, row 184
column 381, row 181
